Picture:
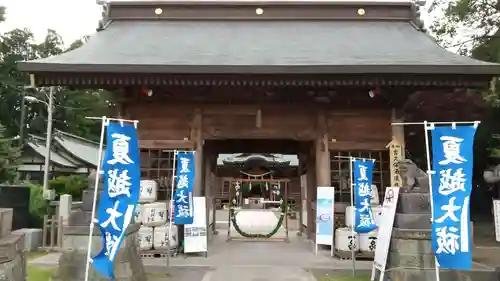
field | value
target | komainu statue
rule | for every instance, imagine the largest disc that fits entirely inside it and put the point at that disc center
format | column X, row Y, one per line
column 413, row 177
column 92, row 178
column 492, row 178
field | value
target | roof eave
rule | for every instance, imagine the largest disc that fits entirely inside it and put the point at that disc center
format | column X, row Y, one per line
column 257, row 2
column 472, row 69
column 72, row 154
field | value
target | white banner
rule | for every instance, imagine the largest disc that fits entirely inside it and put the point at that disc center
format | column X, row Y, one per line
column 496, row 214
column 325, row 223
column 195, row 234
column 385, row 228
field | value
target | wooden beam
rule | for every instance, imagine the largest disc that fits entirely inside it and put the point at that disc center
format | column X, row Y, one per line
column 350, row 146
column 258, row 133
column 166, row 144
column 229, row 110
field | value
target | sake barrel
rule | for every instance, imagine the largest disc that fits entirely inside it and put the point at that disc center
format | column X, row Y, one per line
column 145, row 236
column 256, row 221
column 368, row 241
column 154, row 214
column 377, row 214
column 344, row 241
column 138, row 213
column 148, row 191
column 376, row 211
column 349, row 216
column 161, row 237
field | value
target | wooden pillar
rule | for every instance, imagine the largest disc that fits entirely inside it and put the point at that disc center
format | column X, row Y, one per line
column 197, row 138
column 396, row 150
column 208, row 184
column 323, row 172
column 398, row 132
column 303, row 191
column 311, row 195
column 121, row 103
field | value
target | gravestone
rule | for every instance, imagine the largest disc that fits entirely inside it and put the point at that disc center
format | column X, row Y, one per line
column 12, row 257
column 410, row 254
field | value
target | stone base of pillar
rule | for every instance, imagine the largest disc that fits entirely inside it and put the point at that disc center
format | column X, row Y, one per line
column 128, row 264
column 12, row 258
column 410, row 253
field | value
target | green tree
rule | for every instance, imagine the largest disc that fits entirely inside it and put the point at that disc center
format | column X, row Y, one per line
column 8, row 159
column 71, row 106
column 471, row 28
column 468, row 26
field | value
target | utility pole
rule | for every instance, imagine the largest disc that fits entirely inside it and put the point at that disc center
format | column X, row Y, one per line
column 47, row 193
column 22, row 121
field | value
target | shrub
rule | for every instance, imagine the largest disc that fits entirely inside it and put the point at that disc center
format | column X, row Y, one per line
column 72, row 185
column 38, row 206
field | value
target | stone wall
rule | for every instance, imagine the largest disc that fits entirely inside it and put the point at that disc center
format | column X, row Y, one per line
column 12, row 257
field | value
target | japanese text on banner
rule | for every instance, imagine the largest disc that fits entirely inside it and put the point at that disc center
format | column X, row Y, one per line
column 183, row 196
column 452, row 152
column 363, row 219
column 121, row 172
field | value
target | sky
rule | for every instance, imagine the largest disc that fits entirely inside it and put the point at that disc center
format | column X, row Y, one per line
column 72, row 19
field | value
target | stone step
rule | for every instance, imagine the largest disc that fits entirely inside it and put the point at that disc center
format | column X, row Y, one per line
column 413, row 221
column 409, row 246
column 398, row 259
column 405, row 274
column 414, row 203
column 411, row 234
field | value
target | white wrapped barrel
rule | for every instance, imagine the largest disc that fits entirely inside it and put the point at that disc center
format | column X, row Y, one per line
column 148, row 191
column 145, row 238
column 161, row 237
column 344, row 241
column 154, row 214
column 138, row 214
column 377, row 214
column 368, row 241
column 349, row 219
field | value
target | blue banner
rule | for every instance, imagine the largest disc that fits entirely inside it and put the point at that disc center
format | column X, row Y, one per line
column 452, row 161
column 121, row 170
column 363, row 219
column 183, row 196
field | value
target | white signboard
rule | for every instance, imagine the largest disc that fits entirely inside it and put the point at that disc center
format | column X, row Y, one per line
column 195, row 234
column 496, row 214
column 395, row 155
column 324, row 217
column 385, row 230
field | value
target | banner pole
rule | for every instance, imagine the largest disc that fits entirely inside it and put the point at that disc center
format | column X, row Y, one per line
column 96, row 187
column 171, row 208
column 353, row 233
column 429, row 176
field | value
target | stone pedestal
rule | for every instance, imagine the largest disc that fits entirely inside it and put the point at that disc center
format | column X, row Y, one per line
column 128, row 265
column 12, row 257
column 410, row 253
column 83, row 216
